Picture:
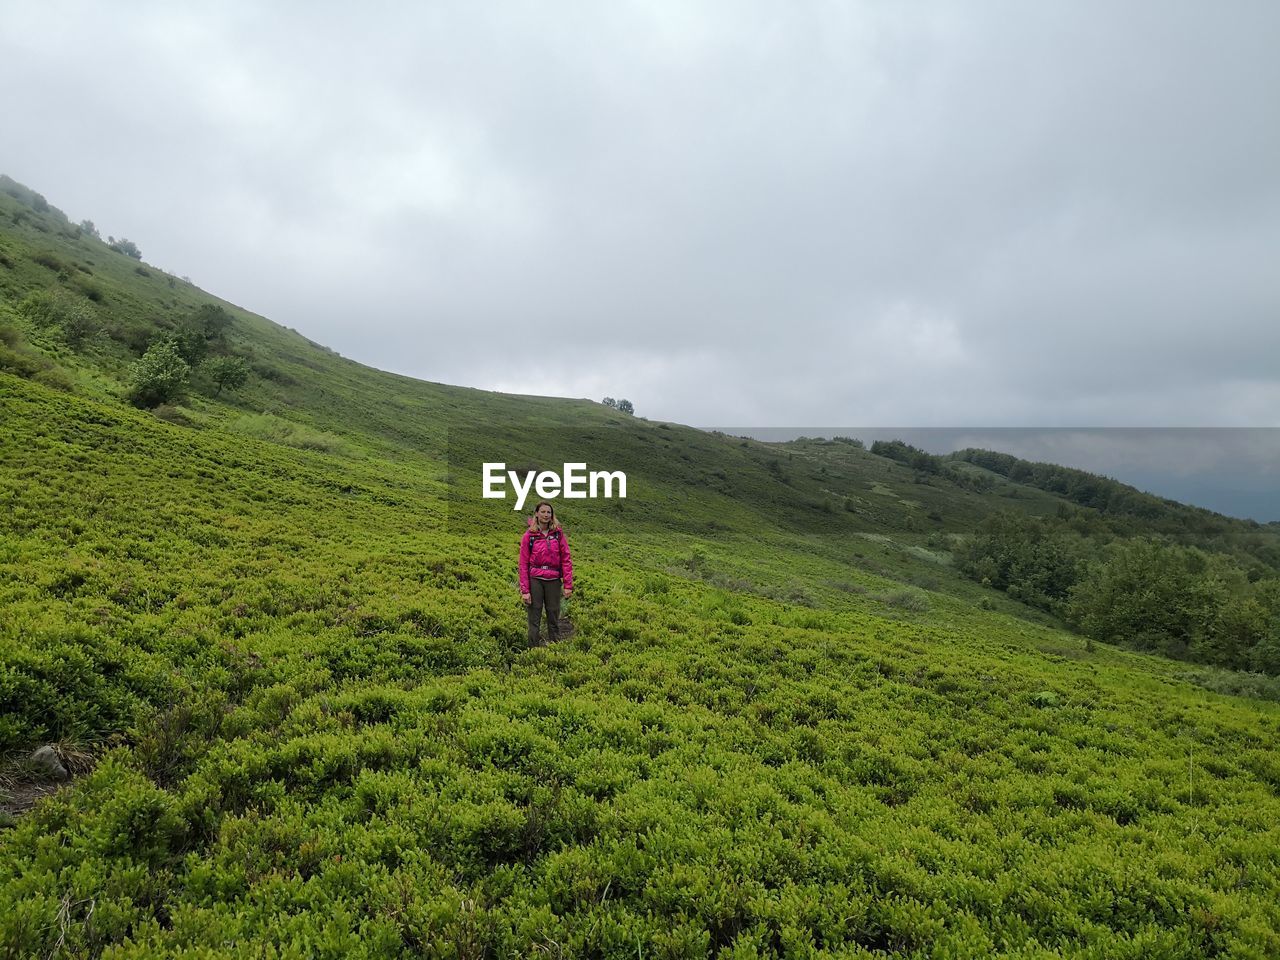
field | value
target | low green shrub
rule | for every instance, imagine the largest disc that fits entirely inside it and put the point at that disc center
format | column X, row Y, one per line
column 266, row 426
column 74, row 317
column 50, row 261
column 172, row 414
column 910, row 600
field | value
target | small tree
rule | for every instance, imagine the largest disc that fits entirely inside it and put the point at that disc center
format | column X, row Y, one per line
column 213, row 323
column 625, row 407
column 159, row 376
column 202, row 332
column 127, row 247
column 229, row 372
column 86, row 226
column 190, row 342
column 610, row 402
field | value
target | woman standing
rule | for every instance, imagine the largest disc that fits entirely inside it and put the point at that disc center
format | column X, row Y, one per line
column 545, row 566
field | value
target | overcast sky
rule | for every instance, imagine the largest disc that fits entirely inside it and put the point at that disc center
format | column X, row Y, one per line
column 980, row 213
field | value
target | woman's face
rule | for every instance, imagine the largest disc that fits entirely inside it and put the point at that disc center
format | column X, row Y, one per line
column 544, row 513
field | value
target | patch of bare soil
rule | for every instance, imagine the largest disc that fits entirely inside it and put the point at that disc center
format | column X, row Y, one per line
column 17, row 797
column 24, row 780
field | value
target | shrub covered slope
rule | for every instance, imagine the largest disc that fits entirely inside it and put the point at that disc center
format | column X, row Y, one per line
column 290, row 668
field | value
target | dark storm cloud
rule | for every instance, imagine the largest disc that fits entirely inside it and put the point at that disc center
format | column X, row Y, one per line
column 1000, row 213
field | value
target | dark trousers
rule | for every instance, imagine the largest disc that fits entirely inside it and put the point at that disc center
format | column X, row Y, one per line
column 544, row 593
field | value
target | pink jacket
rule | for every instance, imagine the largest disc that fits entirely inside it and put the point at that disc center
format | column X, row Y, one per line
column 545, row 556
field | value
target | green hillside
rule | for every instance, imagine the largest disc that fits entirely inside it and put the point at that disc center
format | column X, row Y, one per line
column 273, row 634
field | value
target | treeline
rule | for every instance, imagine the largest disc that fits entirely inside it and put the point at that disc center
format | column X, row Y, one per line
column 1108, row 496
column 930, row 465
column 1115, row 509
column 1145, row 592
column 1124, row 566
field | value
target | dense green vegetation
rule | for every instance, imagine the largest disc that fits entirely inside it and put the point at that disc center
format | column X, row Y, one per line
column 280, row 646
column 1111, row 498
column 1219, row 608
column 1123, row 567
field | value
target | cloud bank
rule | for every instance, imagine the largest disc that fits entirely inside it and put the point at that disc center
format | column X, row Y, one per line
column 1002, row 214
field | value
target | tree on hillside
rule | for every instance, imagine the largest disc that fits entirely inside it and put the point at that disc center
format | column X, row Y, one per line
column 610, row 402
column 624, row 406
column 213, row 322
column 203, row 332
column 190, row 341
column 87, row 227
column 159, row 376
column 1031, row 559
column 229, row 372
column 1158, row 597
column 905, row 453
column 127, row 247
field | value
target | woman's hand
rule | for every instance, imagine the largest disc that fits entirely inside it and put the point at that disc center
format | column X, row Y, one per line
column 568, row 593
column 526, row 599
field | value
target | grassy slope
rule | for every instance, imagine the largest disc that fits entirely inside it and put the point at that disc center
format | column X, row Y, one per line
column 303, row 679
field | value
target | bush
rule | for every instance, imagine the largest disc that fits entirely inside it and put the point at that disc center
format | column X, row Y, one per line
column 74, row 316
column 924, row 463
column 907, row 600
column 174, row 415
column 80, row 322
column 275, row 375
column 1234, row 683
column 49, row 260
column 134, row 335
column 190, row 343
column 790, row 592
column 1034, row 561
column 41, row 307
column 90, row 289
column 201, row 333
column 265, row 426
column 127, row 247
column 20, row 364
column 159, row 377
column 654, row 585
